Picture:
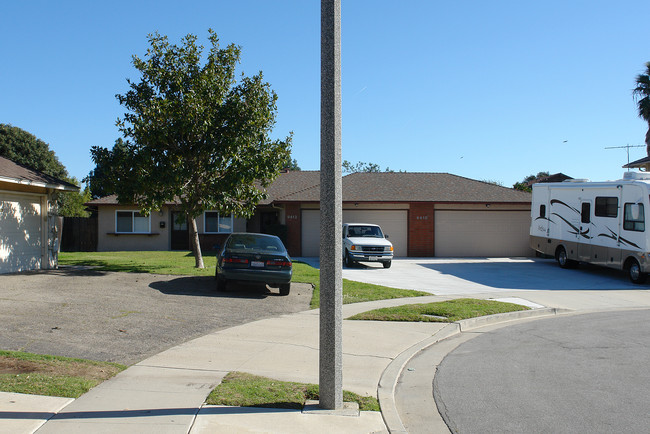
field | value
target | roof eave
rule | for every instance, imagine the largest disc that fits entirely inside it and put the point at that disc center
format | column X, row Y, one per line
column 31, row 183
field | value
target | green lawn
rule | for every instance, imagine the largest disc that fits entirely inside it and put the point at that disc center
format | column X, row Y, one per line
column 442, row 311
column 182, row 263
column 163, row 262
column 51, row 375
column 246, row 390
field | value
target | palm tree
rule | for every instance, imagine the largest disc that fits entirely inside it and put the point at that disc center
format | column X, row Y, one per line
column 642, row 96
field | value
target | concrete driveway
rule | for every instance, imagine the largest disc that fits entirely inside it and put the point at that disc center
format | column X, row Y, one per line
column 467, row 276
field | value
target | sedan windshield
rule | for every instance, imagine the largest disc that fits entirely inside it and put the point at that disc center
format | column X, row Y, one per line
column 365, row 231
column 255, row 243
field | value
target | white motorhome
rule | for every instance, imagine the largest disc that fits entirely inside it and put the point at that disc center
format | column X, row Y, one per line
column 601, row 223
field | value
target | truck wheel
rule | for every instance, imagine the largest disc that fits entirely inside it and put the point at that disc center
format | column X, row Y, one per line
column 348, row 262
column 387, row 264
column 562, row 259
column 636, row 276
column 285, row 288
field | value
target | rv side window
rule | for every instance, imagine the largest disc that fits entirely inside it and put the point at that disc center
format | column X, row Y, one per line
column 634, row 217
column 606, row 207
column 585, row 215
column 542, row 210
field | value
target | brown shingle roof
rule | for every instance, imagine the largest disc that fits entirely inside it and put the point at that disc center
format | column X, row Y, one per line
column 285, row 184
column 17, row 174
column 304, row 186
column 413, row 187
column 291, row 182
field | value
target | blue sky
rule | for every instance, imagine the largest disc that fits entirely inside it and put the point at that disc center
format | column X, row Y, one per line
column 486, row 90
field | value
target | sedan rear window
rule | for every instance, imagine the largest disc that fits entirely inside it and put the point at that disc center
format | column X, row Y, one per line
column 252, row 242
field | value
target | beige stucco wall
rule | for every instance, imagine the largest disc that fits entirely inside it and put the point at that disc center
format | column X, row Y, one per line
column 107, row 240
column 483, row 206
column 158, row 239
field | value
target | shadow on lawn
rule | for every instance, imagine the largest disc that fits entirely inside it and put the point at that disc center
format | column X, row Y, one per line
column 206, row 287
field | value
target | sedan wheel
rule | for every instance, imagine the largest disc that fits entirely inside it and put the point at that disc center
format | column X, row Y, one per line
column 285, row 288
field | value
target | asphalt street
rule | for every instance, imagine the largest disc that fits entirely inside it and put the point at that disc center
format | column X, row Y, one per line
column 126, row 317
column 575, row 373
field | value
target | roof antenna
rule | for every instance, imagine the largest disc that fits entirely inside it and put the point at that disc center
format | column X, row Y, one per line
column 627, row 147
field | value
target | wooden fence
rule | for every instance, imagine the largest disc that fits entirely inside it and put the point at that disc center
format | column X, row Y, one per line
column 79, row 234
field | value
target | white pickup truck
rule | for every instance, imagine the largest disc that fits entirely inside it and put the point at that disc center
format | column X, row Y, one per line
column 364, row 242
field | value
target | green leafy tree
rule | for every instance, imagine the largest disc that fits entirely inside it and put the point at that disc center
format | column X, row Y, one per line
column 642, row 97
column 348, row 167
column 73, row 204
column 291, row 164
column 26, row 149
column 525, row 184
column 103, row 179
column 195, row 134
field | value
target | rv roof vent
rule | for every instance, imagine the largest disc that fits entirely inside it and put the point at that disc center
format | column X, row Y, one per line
column 576, row 180
column 636, row 175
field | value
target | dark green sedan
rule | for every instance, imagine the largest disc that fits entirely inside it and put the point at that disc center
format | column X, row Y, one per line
column 248, row 257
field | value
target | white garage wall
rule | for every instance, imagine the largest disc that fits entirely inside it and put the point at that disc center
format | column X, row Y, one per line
column 482, row 233
column 394, row 223
column 20, row 232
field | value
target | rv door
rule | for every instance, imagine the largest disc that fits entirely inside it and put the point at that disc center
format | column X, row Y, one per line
column 585, row 234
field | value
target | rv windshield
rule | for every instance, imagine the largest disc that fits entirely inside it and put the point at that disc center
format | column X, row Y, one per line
column 365, row 231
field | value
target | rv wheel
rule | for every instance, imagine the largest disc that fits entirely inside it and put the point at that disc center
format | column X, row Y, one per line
column 562, row 258
column 636, row 276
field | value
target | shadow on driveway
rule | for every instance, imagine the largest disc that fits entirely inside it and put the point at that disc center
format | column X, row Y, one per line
column 533, row 275
column 205, row 287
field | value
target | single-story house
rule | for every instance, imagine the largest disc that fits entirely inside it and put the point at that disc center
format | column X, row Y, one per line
column 424, row 214
column 122, row 227
column 29, row 227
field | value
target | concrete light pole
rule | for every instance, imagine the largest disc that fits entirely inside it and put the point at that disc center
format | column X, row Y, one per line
column 331, row 283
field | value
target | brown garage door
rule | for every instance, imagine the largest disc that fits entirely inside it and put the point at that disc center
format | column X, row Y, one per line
column 394, row 223
column 482, row 233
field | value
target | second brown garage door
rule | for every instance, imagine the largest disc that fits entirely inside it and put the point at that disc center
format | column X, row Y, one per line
column 482, row 233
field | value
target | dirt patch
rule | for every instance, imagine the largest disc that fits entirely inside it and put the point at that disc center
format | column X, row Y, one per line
column 10, row 365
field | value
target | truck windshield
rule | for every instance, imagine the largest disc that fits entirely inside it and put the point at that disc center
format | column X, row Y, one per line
column 365, row 231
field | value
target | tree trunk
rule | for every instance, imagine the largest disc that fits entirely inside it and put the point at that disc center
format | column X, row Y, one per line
column 647, row 140
column 196, row 245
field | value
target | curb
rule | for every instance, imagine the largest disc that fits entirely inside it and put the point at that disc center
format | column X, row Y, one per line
column 390, row 376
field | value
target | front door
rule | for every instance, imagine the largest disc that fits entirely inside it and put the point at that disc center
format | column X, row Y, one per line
column 180, row 233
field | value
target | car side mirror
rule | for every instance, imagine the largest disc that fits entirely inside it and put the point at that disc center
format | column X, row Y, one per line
column 386, row 236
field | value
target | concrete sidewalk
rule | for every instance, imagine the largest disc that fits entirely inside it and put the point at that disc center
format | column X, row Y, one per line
column 165, row 393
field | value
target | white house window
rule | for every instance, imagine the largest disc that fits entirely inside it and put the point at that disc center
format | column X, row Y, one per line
column 215, row 223
column 132, row 222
